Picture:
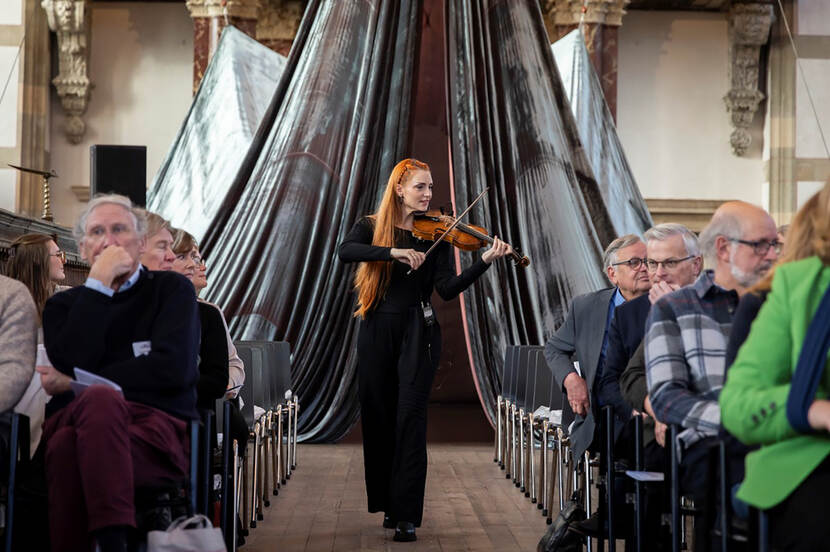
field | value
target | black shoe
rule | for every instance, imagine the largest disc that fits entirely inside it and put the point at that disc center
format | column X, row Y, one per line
column 388, row 522
column 405, row 532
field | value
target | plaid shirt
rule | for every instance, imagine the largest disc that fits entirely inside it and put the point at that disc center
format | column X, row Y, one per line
column 685, row 347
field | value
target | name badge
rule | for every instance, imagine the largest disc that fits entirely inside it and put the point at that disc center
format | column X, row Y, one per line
column 141, row 348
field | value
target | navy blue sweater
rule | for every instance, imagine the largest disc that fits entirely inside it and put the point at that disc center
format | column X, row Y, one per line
column 86, row 329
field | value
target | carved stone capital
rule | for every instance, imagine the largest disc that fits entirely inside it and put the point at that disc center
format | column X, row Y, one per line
column 69, row 19
column 279, row 19
column 749, row 26
column 569, row 12
column 243, row 9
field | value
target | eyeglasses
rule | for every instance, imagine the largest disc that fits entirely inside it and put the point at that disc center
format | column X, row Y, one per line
column 761, row 247
column 668, row 264
column 633, row 263
column 60, row 255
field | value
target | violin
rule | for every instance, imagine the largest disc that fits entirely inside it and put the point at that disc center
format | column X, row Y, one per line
column 431, row 225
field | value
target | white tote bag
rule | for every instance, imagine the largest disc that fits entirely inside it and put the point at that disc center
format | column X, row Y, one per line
column 187, row 534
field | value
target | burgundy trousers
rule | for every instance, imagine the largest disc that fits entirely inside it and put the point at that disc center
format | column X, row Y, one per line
column 99, row 448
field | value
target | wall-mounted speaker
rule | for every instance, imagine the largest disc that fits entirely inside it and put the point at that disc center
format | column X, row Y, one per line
column 120, row 170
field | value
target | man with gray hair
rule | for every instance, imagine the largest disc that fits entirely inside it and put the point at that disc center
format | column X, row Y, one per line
column 582, row 336
column 139, row 329
column 687, row 333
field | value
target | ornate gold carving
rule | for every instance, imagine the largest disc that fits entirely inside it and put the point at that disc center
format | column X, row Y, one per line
column 279, row 19
column 749, row 26
column 243, row 9
column 569, row 12
column 69, row 19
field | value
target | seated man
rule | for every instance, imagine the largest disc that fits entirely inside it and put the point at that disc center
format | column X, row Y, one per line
column 687, row 332
column 140, row 329
column 673, row 261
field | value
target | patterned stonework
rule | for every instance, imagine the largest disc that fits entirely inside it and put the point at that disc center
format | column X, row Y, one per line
column 245, row 9
column 749, row 26
column 279, row 20
column 569, row 12
column 69, row 19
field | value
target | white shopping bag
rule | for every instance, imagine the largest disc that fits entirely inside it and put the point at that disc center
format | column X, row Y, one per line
column 187, row 534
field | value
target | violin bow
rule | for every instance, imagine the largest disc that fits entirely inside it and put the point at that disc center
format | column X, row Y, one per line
column 453, row 225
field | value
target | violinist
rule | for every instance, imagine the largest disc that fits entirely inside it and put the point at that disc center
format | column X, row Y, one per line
column 399, row 341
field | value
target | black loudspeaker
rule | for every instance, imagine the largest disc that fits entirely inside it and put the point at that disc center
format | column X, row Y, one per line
column 120, row 170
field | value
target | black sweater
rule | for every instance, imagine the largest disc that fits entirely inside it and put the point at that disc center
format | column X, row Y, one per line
column 213, row 357
column 407, row 291
column 86, row 329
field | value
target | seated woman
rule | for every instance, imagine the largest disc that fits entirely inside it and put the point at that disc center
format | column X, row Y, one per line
column 189, row 263
column 213, row 348
column 790, row 474
column 158, row 250
column 37, row 262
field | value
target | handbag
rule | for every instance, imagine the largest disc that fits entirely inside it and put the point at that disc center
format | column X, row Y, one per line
column 187, row 534
column 558, row 538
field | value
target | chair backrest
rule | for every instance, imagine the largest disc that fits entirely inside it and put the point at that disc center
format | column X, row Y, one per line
column 261, row 393
column 524, row 374
column 511, row 356
column 541, row 381
column 278, row 368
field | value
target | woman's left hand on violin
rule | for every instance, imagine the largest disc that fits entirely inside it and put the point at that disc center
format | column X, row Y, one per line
column 497, row 250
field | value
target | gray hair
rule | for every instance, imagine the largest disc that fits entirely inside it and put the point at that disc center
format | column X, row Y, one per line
column 609, row 257
column 139, row 220
column 724, row 224
column 662, row 232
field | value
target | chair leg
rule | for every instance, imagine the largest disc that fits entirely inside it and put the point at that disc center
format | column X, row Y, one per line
column 522, row 452
column 288, row 440
column 676, row 531
column 531, row 438
column 507, row 453
column 282, row 452
column 609, row 477
column 235, row 509
column 295, row 434
column 497, row 445
column 275, row 456
column 513, row 460
column 559, row 460
column 588, row 508
column 245, row 472
column 267, row 466
column 255, row 479
column 543, row 504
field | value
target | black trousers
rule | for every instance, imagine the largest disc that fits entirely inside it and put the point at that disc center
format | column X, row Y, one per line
column 800, row 521
column 397, row 357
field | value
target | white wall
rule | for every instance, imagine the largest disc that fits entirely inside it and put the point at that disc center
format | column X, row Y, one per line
column 671, row 118
column 11, row 12
column 142, row 68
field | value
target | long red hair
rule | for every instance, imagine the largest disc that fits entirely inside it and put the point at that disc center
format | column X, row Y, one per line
column 372, row 278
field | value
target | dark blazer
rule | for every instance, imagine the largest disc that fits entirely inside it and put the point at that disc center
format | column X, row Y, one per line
column 580, row 338
column 746, row 312
column 624, row 336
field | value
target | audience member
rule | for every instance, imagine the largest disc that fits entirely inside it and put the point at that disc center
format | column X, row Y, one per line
column 158, row 251
column 18, row 341
column 583, row 334
column 140, row 329
column 686, row 335
column 213, row 346
column 775, row 391
column 673, row 261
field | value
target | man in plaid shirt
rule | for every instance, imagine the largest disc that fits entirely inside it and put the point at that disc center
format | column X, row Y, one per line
column 687, row 331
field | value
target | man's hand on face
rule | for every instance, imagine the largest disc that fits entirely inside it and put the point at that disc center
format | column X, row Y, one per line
column 113, row 262
column 660, row 289
column 577, row 391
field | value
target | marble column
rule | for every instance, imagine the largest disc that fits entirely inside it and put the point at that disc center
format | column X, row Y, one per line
column 210, row 17
column 600, row 20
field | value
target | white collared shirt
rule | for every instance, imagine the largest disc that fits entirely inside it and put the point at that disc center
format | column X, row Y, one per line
column 99, row 286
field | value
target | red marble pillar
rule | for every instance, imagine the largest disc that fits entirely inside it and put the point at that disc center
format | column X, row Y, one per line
column 206, row 33
column 601, row 41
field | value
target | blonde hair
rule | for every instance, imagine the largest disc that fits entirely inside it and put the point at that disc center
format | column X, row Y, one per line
column 183, row 242
column 808, row 235
column 372, row 278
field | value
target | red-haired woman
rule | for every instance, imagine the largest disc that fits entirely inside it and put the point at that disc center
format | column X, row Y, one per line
column 399, row 342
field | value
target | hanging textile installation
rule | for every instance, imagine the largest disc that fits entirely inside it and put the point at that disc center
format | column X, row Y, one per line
column 336, row 126
column 598, row 135
column 512, row 130
column 237, row 88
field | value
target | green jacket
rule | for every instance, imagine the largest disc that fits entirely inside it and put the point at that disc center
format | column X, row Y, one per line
column 753, row 401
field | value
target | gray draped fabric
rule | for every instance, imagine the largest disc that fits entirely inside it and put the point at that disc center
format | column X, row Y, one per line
column 512, row 129
column 237, row 88
column 598, row 134
column 336, row 126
